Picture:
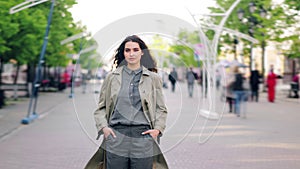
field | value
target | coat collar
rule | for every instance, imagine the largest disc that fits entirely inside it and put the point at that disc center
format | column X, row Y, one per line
column 119, row 70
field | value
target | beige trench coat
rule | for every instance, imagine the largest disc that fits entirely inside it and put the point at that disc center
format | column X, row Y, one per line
column 150, row 89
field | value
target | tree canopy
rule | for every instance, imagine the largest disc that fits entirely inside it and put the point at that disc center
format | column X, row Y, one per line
column 22, row 33
column 278, row 24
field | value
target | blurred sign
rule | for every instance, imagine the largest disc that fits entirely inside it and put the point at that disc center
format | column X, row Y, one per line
column 199, row 51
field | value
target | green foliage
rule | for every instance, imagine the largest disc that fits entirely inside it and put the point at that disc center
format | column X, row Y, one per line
column 89, row 60
column 62, row 27
column 7, row 27
column 272, row 27
column 186, row 55
column 293, row 12
column 294, row 51
column 159, row 43
column 184, row 49
column 22, row 33
column 159, row 49
column 293, row 4
column 189, row 37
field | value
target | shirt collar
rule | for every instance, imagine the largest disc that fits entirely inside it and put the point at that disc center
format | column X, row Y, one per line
column 118, row 71
column 126, row 69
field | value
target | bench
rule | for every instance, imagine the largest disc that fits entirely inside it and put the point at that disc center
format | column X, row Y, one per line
column 15, row 88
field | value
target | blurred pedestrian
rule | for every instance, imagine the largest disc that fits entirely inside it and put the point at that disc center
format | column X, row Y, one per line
column 173, row 77
column 131, row 113
column 85, row 78
column 218, row 79
column 271, row 84
column 203, row 82
column 254, row 84
column 65, row 81
column 227, row 84
column 163, row 76
column 295, row 85
column 238, row 90
column 191, row 76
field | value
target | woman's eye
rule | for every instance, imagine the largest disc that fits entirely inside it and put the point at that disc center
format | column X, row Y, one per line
column 134, row 50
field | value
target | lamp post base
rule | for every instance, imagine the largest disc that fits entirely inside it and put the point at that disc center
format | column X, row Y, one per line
column 29, row 119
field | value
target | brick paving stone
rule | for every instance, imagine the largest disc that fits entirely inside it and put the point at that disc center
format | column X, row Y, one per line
column 65, row 137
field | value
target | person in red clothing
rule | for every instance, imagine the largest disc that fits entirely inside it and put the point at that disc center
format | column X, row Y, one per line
column 66, row 77
column 295, row 85
column 271, row 83
column 65, row 81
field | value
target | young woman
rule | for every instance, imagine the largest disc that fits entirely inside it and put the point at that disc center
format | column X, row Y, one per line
column 131, row 113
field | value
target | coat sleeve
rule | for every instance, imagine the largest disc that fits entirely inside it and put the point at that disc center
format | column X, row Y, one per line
column 160, row 108
column 100, row 115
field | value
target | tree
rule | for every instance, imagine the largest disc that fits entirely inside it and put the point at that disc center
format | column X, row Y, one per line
column 159, row 48
column 7, row 29
column 22, row 33
column 292, row 9
column 88, row 60
column 269, row 28
column 184, row 48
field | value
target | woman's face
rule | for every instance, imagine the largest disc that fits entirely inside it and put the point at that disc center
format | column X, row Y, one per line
column 133, row 54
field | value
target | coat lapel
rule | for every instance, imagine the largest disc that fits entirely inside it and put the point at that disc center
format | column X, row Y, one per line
column 116, row 86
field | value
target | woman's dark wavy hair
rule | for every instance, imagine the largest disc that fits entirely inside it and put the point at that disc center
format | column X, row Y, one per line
column 146, row 60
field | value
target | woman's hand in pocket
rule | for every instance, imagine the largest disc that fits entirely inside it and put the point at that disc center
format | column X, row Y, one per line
column 108, row 131
column 154, row 133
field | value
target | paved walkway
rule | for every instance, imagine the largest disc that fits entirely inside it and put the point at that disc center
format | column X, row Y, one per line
column 63, row 136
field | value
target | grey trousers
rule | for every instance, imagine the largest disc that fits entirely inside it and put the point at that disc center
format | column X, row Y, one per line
column 130, row 149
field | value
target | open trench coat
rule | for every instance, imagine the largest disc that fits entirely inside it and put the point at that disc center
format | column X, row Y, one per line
column 153, row 104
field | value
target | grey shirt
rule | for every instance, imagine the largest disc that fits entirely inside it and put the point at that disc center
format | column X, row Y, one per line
column 190, row 76
column 128, row 109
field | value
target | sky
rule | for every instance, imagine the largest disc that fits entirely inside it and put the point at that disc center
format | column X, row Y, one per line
column 110, row 21
column 96, row 14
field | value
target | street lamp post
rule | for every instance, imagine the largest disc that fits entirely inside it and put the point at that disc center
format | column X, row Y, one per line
column 73, row 76
column 253, row 23
column 35, row 88
column 235, row 41
column 81, row 36
column 250, row 31
column 263, row 64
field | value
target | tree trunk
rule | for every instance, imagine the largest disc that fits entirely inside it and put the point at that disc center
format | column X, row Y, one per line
column 263, row 48
column 17, row 74
column 16, row 90
column 44, row 77
column 293, row 68
column 1, row 68
column 2, row 96
column 58, row 76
